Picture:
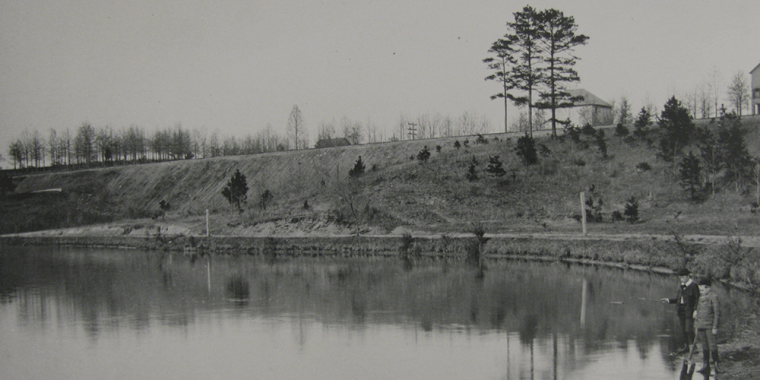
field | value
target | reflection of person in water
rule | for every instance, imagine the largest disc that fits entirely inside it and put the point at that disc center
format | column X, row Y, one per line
column 686, row 302
column 706, row 319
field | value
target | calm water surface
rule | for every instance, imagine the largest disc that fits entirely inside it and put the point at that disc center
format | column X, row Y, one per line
column 104, row 314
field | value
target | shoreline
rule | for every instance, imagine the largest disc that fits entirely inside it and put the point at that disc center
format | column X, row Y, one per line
column 630, row 251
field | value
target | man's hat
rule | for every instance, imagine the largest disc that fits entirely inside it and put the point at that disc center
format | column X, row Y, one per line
column 683, row 272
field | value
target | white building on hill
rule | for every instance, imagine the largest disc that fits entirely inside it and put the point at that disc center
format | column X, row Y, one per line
column 592, row 110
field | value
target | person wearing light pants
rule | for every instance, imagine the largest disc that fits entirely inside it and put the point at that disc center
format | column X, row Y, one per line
column 706, row 319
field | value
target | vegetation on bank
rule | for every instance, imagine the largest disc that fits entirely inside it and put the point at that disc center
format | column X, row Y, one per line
column 676, row 177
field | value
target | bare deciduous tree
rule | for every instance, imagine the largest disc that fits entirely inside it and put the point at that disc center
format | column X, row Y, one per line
column 326, row 130
column 738, row 91
column 705, row 100
column 624, row 111
column 295, row 125
column 352, row 130
column 691, row 102
column 715, row 87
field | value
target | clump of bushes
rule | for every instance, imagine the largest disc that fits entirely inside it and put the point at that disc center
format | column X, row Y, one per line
column 526, row 149
column 594, row 210
column 621, row 130
column 631, row 211
column 731, row 262
column 424, row 154
column 472, row 174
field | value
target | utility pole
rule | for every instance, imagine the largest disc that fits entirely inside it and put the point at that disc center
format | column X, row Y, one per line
column 412, row 131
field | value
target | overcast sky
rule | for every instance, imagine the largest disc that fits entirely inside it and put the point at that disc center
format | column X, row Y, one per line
column 236, row 66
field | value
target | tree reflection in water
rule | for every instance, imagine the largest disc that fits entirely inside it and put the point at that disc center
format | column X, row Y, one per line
column 562, row 315
column 238, row 290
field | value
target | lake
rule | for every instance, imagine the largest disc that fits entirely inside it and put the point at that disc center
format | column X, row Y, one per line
column 121, row 314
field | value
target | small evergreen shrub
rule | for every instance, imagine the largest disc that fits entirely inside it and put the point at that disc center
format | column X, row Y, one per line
column 621, row 130
column 594, row 210
column 526, row 149
column 265, row 199
column 424, row 154
column 588, row 130
column 632, row 210
column 236, row 190
column 358, row 169
column 601, row 144
column 494, row 167
column 574, row 133
column 471, row 174
column 544, row 151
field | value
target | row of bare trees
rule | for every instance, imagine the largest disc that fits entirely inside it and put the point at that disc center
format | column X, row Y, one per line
column 434, row 125
column 90, row 145
column 703, row 101
column 424, row 126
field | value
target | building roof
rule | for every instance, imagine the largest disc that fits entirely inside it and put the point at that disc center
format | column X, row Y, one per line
column 589, row 99
column 756, row 67
column 327, row 143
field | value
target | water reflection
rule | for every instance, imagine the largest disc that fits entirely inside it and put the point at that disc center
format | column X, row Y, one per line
column 237, row 290
column 331, row 318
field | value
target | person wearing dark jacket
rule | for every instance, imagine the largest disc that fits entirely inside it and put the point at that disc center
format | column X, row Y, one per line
column 686, row 302
column 706, row 319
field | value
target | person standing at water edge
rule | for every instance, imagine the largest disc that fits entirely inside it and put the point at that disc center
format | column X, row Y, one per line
column 706, row 319
column 686, row 302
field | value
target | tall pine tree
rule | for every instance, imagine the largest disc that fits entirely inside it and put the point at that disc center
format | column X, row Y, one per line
column 526, row 74
column 236, row 190
column 501, row 63
column 733, row 150
column 557, row 39
column 691, row 175
column 710, row 155
column 676, row 127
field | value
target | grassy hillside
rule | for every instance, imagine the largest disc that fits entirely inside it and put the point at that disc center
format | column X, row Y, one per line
column 396, row 191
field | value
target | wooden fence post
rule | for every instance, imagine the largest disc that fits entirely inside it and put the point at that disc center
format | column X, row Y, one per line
column 583, row 212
